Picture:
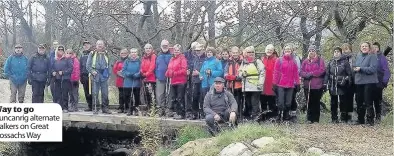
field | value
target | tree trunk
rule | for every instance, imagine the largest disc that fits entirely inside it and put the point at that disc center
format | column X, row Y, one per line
column 13, row 14
column 318, row 34
column 211, row 21
column 7, row 42
column 156, row 19
column 241, row 24
column 48, row 23
column 178, row 18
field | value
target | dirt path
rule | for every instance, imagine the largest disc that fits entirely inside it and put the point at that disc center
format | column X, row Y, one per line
column 345, row 139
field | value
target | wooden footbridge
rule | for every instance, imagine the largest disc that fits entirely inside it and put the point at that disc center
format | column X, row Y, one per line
column 119, row 122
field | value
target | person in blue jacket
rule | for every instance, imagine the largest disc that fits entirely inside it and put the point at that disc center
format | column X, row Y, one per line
column 15, row 69
column 211, row 68
column 131, row 82
column 162, row 82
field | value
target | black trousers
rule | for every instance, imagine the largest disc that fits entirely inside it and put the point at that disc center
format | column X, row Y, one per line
column 38, row 88
column 349, row 97
column 268, row 102
column 85, row 84
column 313, row 112
column 238, row 95
column 364, row 99
column 334, row 106
column 294, row 103
column 194, row 97
column 252, row 106
column 148, row 94
column 124, row 99
column 132, row 97
column 178, row 99
column 377, row 102
column 62, row 89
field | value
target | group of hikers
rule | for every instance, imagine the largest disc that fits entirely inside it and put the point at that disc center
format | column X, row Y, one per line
column 215, row 84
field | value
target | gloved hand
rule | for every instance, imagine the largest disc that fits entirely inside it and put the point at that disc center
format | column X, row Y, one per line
column 274, row 88
column 208, row 72
column 135, row 75
column 48, row 82
column 244, row 74
column 324, row 88
column 29, row 81
column 308, row 76
column 237, row 78
column 230, row 77
column 297, row 88
column 143, row 75
column 260, row 86
column 75, row 83
column 233, row 117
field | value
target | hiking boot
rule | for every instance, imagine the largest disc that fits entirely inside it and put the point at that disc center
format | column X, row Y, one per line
column 65, row 111
column 106, row 111
column 121, row 111
column 178, row 117
column 129, row 113
column 189, row 116
column 334, row 121
column 88, row 109
column 169, row 114
column 309, row 122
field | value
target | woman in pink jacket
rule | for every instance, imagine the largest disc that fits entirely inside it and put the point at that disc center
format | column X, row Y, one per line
column 284, row 82
column 74, row 94
column 313, row 71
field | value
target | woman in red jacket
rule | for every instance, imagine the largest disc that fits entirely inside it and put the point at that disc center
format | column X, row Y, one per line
column 268, row 96
column 117, row 70
column 176, row 72
column 148, row 65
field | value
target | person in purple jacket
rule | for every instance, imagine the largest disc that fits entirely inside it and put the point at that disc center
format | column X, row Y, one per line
column 313, row 72
column 383, row 78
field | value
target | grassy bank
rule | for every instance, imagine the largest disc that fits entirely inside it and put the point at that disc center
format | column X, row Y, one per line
column 245, row 133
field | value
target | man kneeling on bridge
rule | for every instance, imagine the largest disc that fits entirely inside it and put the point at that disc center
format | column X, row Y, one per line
column 219, row 106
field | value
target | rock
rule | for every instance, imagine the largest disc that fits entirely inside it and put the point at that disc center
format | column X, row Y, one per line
column 314, row 150
column 123, row 151
column 279, row 154
column 190, row 147
column 236, row 149
column 330, row 154
column 260, row 143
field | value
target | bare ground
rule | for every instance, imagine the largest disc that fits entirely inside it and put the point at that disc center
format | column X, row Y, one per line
column 344, row 139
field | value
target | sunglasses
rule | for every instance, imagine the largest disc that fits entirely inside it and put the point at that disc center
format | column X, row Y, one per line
column 60, row 49
column 249, row 52
column 18, row 47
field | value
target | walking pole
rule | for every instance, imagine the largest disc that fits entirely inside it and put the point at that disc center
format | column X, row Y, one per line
column 167, row 93
column 309, row 93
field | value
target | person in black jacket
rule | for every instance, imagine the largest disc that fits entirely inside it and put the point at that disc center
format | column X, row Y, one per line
column 38, row 74
column 85, row 73
column 61, row 72
column 337, row 79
